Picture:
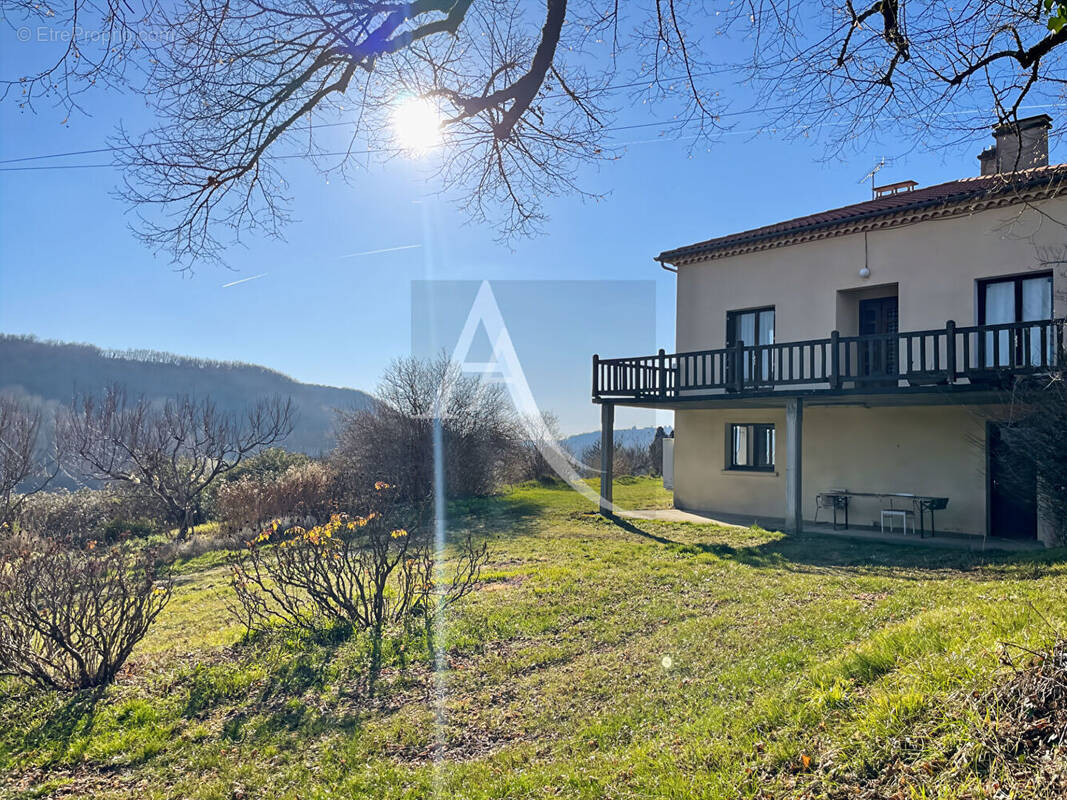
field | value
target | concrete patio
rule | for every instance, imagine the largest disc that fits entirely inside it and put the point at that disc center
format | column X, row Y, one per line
column 950, row 541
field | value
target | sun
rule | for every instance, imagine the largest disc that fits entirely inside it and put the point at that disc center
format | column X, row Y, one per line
column 416, row 125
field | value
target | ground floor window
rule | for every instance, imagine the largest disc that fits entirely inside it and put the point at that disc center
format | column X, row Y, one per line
column 750, row 446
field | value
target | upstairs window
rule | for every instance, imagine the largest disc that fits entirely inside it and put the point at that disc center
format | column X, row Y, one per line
column 750, row 446
column 755, row 326
column 1023, row 298
column 752, row 327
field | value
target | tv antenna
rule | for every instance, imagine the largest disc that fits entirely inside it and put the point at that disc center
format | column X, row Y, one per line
column 870, row 175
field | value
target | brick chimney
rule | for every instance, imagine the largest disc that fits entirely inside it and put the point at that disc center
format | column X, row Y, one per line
column 1018, row 146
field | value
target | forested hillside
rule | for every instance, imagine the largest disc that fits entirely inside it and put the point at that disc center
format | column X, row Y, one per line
column 52, row 372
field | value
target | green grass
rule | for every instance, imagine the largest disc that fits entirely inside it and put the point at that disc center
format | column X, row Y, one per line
column 600, row 659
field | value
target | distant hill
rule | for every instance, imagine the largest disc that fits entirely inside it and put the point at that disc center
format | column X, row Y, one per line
column 51, row 372
column 628, row 437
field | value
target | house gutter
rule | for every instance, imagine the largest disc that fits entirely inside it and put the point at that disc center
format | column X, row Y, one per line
column 1054, row 183
column 664, row 265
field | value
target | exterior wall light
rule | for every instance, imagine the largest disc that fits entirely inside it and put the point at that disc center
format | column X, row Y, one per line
column 864, row 272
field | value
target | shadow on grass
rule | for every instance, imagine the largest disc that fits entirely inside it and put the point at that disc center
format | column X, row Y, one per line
column 290, row 717
column 496, row 515
column 57, row 730
column 291, row 672
column 812, row 552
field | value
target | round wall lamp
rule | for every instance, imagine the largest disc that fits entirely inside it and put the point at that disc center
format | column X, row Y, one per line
column 864, row 272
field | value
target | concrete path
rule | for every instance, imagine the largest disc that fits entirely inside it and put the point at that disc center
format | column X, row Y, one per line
column 676, row 515
column 951, row 541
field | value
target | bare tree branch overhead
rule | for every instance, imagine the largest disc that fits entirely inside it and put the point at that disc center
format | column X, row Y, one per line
column 522, row 90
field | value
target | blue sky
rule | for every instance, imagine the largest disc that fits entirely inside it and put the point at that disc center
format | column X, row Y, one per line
column 71, row 270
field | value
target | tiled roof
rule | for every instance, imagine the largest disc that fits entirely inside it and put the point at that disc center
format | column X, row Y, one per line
column 944, row 199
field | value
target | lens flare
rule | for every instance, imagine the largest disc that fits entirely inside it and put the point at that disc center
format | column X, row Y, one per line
column 416, row 125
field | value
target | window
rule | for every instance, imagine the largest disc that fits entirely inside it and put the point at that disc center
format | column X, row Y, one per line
column 1023, row 298
column 752, row 327
column 750, row 446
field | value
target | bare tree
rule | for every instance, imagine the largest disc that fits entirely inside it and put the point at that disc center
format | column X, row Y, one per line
column 175, row 451
column 916, row 68
column 240, row 86
column 23, row 471
column 395, row 440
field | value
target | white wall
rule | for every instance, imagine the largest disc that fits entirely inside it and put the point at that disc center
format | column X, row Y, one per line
column 926, row 450
column 934, row 264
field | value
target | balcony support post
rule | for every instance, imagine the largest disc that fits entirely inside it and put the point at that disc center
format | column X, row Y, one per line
column 607, row 456
column 794, row 425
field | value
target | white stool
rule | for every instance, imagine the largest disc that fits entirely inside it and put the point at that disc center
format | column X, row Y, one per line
column 896, row 513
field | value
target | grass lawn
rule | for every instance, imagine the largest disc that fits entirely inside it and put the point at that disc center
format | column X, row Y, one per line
column 599, row 659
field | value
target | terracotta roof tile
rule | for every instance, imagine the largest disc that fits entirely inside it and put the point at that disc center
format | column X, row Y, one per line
column 953, row 193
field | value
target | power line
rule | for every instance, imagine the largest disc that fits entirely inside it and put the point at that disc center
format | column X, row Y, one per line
column 116, row 148
column 372, row 151
column 396, row 150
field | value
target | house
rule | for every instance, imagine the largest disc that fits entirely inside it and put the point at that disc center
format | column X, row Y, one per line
column 866, row 352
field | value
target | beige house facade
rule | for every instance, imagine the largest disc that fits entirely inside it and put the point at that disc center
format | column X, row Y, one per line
column 862, row 359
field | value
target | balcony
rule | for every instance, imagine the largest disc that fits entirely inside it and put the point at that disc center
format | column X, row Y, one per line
column 949, row 359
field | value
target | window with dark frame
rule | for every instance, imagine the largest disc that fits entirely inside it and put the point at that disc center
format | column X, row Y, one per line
column 1019, row 298
column 754, row 326
column 750, row 446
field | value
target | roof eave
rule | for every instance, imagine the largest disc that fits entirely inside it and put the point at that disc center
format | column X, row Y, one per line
column 1045, row 187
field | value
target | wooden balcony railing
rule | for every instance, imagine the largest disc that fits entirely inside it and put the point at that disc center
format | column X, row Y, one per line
column 982, row 355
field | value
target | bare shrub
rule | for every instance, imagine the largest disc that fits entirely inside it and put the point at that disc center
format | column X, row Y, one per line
column 627, row 460
column 69, row 618
column 66, row 515
column 303, row 492
column 267, row 463
column 1024, row 745
column 85, row 515
column 395, row 440
column 361, row 573
column 528, row 461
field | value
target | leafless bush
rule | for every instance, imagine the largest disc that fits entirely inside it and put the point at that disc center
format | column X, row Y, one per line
column 174, row 452
column 528, row 461
column 627, row 460
column 70, row 516
column 69, row 618
column 304, row 492
column 395, row 440
column 362, row 573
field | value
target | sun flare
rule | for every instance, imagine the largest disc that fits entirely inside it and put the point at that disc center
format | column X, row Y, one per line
column 416, row 125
